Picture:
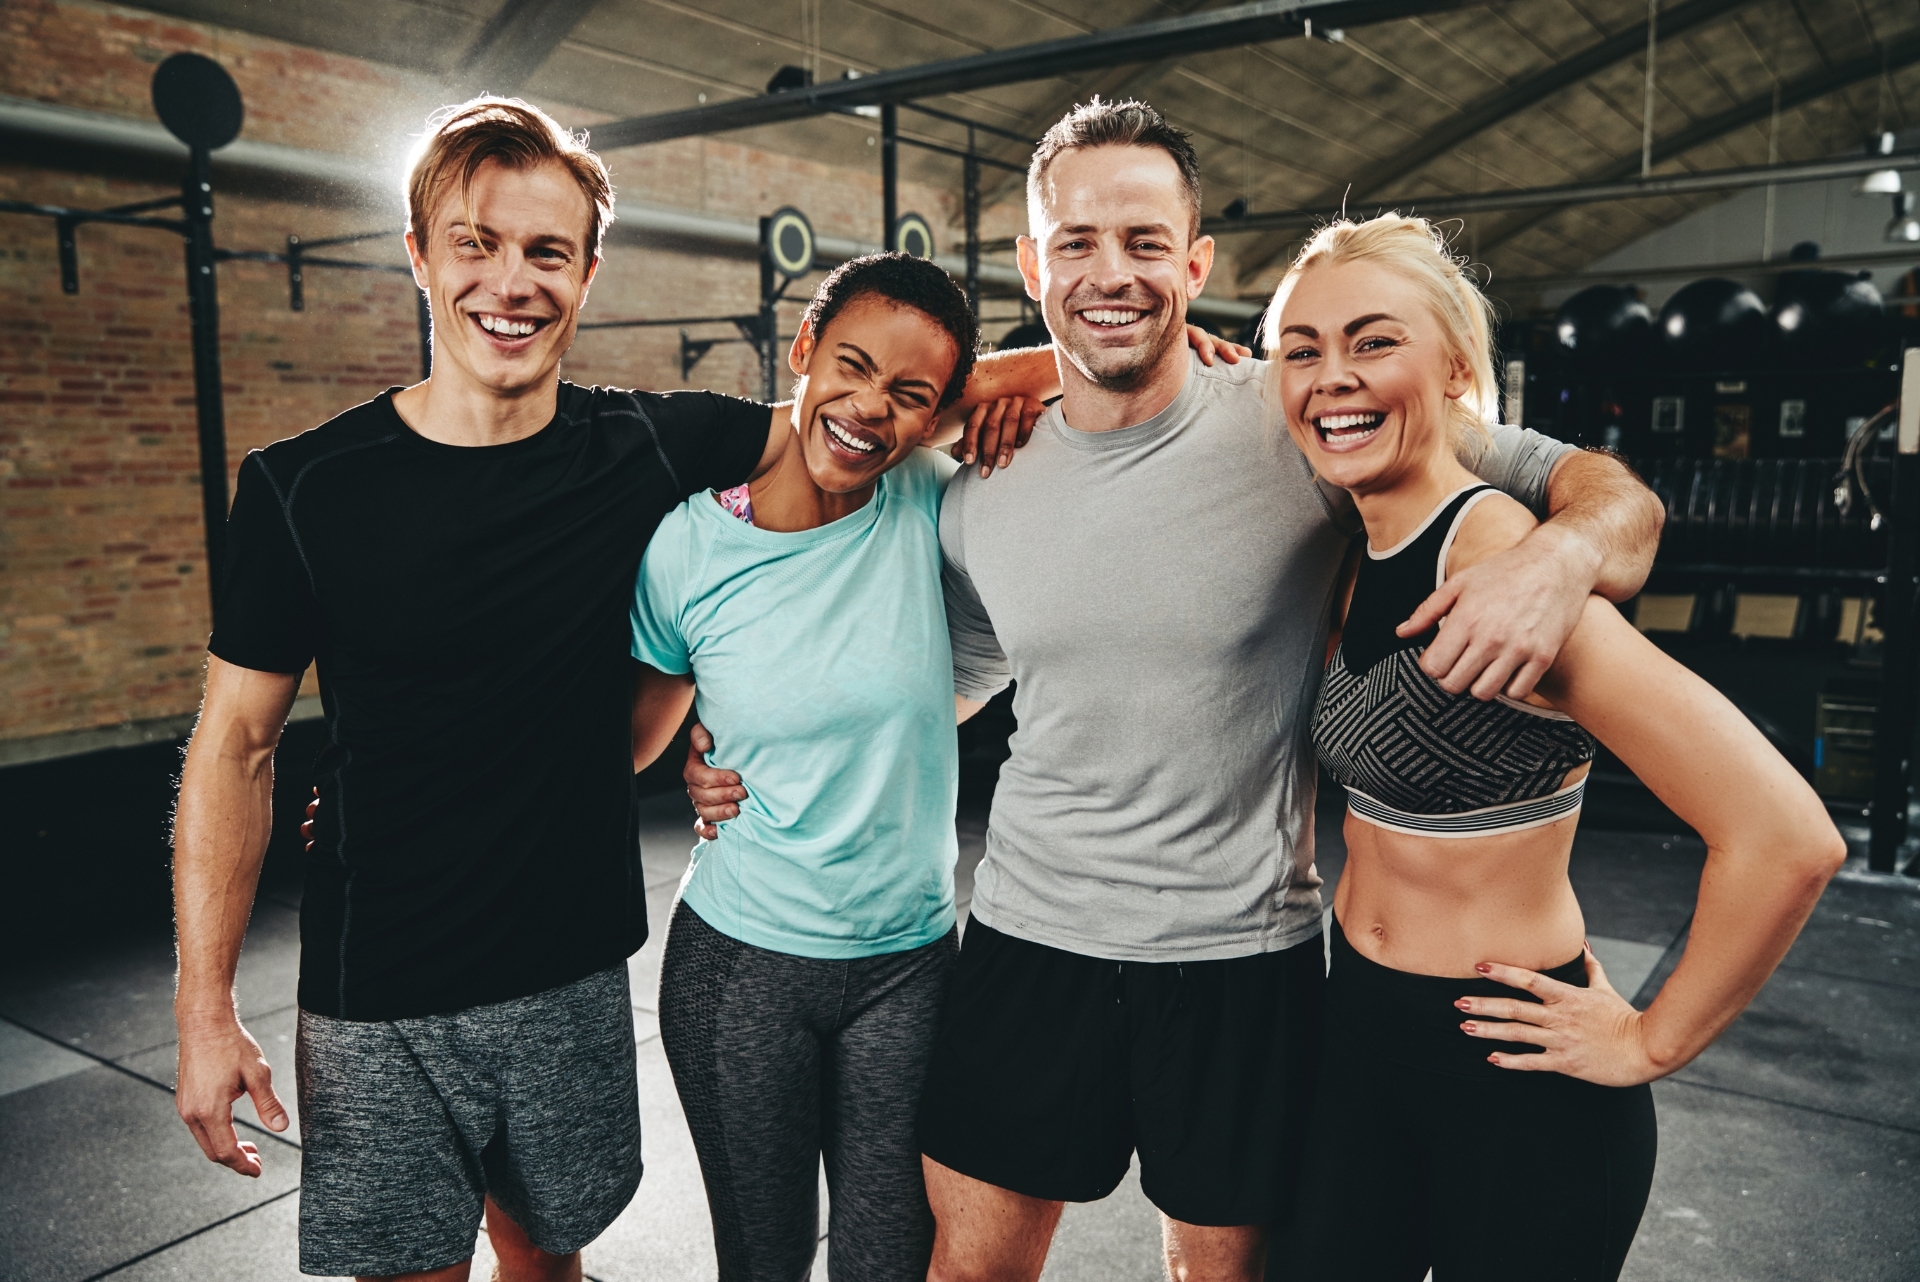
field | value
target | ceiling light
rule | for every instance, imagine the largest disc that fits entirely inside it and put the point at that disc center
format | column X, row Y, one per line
column 1903, row 228
column 1881, row 182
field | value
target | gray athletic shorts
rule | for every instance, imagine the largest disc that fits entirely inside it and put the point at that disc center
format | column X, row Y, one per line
column 406, row 1127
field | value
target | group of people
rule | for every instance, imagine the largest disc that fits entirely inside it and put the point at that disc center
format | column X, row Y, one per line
column 1199, row 572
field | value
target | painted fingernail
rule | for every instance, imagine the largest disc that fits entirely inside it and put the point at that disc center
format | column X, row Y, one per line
column 1469, row 1027
column 1483, row 968
column 1464, row 1004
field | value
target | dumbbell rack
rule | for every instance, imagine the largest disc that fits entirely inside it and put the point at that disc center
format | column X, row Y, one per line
column 1779, row 525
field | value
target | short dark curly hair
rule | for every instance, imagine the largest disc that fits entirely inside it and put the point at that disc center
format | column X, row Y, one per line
column 910, row 282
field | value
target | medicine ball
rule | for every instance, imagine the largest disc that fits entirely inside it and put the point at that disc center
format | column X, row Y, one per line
column 1604, row 328
column 1714, row 324
column 1826, row 319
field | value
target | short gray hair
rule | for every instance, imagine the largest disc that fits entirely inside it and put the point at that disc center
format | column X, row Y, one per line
column 1119, row 124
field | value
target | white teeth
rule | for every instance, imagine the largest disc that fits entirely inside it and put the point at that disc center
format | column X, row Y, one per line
column 846, row 439
column 1109, row 317
column 506, row 328
column 1343, row 422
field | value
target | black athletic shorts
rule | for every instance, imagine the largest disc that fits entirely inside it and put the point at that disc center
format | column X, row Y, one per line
column 1052, row 1068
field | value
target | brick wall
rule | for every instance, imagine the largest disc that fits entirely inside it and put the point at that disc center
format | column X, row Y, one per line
column 103, row 593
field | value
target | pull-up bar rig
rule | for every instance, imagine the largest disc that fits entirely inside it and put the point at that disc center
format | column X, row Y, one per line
column 786, row 255
column 299, row 256
column 758, row 328
column 204, row 308
column 200, row 105
column 970, row 159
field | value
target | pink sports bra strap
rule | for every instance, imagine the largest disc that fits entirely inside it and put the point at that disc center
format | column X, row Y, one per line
column 738, row 501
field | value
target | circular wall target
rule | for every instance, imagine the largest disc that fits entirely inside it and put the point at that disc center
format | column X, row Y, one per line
column 912, row 235
column 790, row 241
column 197, row 101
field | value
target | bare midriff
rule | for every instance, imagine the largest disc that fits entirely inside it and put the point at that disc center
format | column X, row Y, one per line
column 1441, row 905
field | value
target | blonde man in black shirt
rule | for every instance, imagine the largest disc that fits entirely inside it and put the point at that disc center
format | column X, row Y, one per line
column 458, row 558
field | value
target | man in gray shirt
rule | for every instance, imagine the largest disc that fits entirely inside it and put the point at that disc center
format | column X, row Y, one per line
column 1143, row 965
column 1158, row 803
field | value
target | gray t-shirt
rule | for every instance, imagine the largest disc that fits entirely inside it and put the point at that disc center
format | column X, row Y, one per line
column 1160, row 594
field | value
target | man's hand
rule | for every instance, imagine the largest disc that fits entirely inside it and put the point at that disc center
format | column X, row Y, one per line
column 1506, row 617
column 220, row 832
column 220, row 1062
column 714, row 793
column 1207, row 346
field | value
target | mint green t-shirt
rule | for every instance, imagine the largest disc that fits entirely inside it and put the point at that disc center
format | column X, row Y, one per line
column 826, row 679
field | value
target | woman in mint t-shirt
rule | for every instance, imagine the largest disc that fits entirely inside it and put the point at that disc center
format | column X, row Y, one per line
column 809, row 953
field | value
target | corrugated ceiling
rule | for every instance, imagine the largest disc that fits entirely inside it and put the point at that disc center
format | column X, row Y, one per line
column 1284, row 125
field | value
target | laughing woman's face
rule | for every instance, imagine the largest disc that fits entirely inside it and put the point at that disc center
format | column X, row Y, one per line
column 1366, row 375
column 870, row 390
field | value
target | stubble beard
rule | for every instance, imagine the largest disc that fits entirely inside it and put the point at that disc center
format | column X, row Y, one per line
column 1119, row 369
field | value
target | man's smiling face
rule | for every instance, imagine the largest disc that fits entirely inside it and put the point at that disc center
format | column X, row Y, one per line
column 1113, row 262
column 506, row 287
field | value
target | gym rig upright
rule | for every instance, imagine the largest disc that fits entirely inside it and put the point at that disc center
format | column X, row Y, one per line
column 787, row 247
column 200, row 105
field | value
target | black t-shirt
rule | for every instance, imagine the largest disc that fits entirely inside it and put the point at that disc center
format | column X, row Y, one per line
column 467, row 608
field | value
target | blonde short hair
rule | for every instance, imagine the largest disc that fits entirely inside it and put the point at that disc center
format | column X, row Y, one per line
column 1417, row 251
column 465, row 136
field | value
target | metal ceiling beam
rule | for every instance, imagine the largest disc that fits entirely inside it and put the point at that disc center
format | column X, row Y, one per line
column 1243, row 24
column 1832, row 79
column 1630, row 276
column 93, row 142
column 1442, row 205
column 1117, row 85
column 1503, row 105
column 1517, row 97
column 520, row 36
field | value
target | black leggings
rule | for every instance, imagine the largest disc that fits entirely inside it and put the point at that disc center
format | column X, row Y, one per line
column 781, row 1061
column 1423, row 1155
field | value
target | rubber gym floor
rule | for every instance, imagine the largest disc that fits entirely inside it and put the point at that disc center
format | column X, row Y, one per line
column 1790, row 1150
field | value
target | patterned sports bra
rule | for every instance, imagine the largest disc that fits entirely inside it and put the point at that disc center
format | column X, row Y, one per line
column 738, row 500
column 1412, row 757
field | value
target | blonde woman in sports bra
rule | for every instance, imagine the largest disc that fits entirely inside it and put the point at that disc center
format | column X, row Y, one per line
column 1483, row 1105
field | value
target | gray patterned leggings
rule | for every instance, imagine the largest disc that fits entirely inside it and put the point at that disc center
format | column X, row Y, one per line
column 782, row 1060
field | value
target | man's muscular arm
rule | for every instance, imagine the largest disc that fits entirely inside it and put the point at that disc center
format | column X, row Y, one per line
column 219, row 838
column 1506, row 618
column 1609, row 516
